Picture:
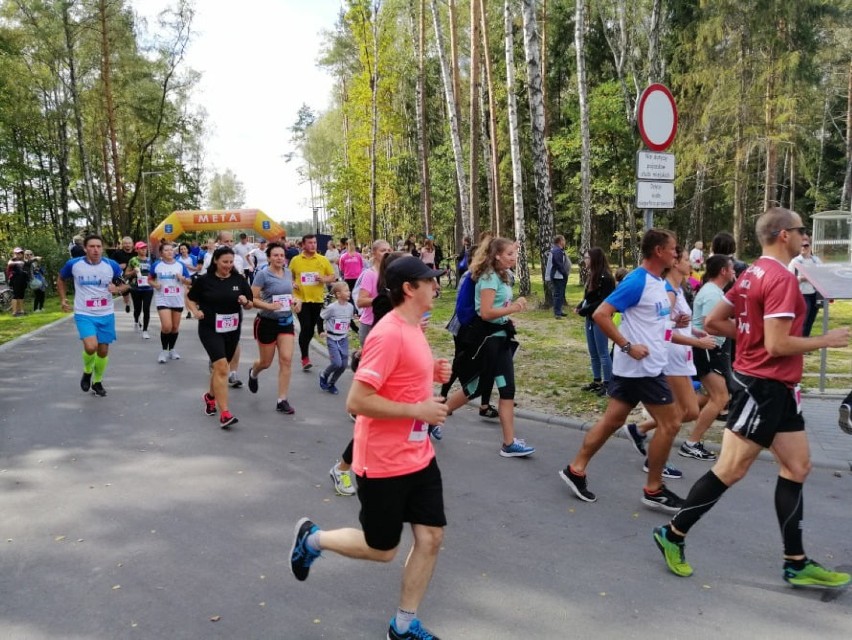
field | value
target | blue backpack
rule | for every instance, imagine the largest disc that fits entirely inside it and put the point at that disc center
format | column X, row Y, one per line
column 466, row 301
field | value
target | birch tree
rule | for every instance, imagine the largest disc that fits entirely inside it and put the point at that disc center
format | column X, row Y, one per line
column 586, row 155
column 544, row 195
column 515, row 151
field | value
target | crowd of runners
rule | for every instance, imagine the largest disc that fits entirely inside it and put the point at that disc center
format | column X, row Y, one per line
column 661, row 343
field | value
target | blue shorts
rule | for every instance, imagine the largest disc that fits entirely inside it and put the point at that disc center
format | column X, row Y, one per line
column 102, row 327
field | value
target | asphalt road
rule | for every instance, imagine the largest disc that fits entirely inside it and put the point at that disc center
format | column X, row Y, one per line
column 135, row 516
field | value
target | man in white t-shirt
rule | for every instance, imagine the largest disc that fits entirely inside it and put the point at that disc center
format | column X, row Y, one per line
column 640, row 356
column 243, row 249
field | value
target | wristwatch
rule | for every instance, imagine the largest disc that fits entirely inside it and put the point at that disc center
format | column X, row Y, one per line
column 625, row 348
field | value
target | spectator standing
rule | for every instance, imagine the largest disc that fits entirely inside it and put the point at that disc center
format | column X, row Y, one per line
column 806, row 256
column 18, row 280
column 76, row 249
column 556, row 272
column 333, row 256
column 351, row 265
column 37, row 279
column 599, row 285
column 696, row 256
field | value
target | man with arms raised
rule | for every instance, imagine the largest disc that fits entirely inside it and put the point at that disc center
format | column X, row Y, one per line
column 393, row 398
column 96, row 280
column 765, row 312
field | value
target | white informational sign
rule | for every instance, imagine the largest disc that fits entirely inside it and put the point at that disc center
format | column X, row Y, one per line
column 655, row 166
column 655, row 195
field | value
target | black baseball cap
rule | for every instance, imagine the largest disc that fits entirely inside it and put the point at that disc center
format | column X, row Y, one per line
column 408, row 269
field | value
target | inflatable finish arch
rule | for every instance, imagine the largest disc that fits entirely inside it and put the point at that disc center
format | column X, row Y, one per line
column 179, row 222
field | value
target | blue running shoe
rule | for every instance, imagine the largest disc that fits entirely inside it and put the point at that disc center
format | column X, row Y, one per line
column 415, row 632
column 518, row 449
column 668, row 471
column 323, row 382
column 436, row 431
column 301, row 555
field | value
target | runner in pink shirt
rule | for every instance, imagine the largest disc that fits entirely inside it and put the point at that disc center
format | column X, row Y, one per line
column 397, row 474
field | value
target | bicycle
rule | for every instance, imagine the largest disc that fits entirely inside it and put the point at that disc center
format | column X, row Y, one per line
column 5, row 298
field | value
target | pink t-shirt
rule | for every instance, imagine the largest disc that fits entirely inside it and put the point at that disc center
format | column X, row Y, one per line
column 351, row 265
column 398, row 363
column 369, row 280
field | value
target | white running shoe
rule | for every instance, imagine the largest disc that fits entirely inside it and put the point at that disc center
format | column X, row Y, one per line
column 174, row 355
column 342, row 481
column 164, row 355
column 146, row 335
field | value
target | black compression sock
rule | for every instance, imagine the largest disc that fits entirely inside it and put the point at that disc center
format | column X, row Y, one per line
column 704, row 494
column 789, row 507
column 164, row 341
column 172, row 340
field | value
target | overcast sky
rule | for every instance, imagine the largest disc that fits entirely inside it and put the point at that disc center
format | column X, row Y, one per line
column 258, row 65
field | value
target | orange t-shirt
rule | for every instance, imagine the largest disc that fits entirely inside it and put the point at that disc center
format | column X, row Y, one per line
column 398, row 363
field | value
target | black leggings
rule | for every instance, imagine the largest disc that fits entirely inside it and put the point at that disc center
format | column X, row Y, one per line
column 38, row 299
column 309, row 321
column 496, row 364
column 142, row 305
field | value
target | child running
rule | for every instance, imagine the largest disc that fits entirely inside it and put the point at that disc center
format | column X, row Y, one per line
column 337, row 317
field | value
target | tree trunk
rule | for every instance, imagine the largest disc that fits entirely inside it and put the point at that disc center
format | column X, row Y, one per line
column 497, row 210
column 739, row 157
column 654, row 66
column 422, row 139
column 515, row 150
column 374, row 121
column 544, row 196
column 123, row 216
column 474, row 116
column 770, row 185
column 92, row 208
column 846, row 194
column 585, row 134
column 485, row 143
column 453, row 112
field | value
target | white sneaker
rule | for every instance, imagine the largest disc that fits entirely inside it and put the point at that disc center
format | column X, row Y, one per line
column 342, row 481
column 174, row 355
column 137, row 327
column 164, row 355
column 146, row 335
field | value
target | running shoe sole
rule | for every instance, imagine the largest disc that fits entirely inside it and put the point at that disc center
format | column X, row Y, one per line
column 515, row 454
column 574, row 487
column 626, row 431
column 297, row 531
column 658, row 506
column 228, row 423
column 843, row 421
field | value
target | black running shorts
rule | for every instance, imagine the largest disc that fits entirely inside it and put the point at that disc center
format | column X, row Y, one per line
column 388, row 503
column 711, row 361
column 760, row 408
column 218, row 345
column 164, row 308
column 267, row 330
column 648, row 390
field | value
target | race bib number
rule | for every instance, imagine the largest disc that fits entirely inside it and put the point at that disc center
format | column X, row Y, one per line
column 227, row 322
column 309, row 277
column 341, row 326
column 141, row 281
column 797, row 396
column 171, row 291
column 669, row 331
column 419, row 431
column 97, row 303
column 285, row 299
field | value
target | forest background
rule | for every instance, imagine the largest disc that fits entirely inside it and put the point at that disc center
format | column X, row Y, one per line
column 447, row 118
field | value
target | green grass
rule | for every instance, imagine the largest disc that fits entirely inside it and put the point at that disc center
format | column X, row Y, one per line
column 11, row 328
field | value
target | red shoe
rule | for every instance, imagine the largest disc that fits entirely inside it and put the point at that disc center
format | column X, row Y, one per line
column 209, row 405
column 227, row 419
column 306, row 364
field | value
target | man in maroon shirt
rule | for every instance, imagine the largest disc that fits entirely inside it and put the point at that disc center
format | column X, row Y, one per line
column 764, row 311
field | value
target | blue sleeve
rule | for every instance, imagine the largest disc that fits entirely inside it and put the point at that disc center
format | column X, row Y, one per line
column 116, row 269
column 629, row 292
column 185, row 271
column 194, row 260
column 153, row 272
column 66, row 272
column 670, row 288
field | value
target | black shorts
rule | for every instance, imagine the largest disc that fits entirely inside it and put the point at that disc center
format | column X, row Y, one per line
column 647, row 390
column 267, row 330
column 218, row 345
column 711, row 361
column 165, row 308
column 19, row 286
column 760, row 408
column 388, row 503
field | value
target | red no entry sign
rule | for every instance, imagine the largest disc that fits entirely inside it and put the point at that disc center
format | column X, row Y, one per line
column 657, row 117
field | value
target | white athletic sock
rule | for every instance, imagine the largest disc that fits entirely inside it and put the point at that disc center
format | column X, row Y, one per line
column 403, row 619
